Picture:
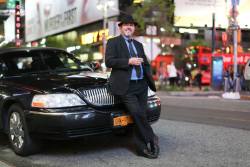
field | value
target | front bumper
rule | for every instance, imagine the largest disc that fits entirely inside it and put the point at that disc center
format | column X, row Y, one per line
column 78, row 122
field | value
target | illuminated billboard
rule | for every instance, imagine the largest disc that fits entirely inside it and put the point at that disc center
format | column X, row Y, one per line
column 47, row 17
column 198, row 13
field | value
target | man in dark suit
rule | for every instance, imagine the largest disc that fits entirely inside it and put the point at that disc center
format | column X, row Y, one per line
column 130, row 78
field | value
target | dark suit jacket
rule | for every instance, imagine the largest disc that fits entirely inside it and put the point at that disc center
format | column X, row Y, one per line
column 117, row 56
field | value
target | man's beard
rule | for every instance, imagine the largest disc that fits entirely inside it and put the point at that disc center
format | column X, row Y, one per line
column 128, row 33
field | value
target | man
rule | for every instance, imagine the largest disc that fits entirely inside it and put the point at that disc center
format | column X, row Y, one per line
column 129, row 79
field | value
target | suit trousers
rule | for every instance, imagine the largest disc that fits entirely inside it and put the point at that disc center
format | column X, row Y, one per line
column 135, row 101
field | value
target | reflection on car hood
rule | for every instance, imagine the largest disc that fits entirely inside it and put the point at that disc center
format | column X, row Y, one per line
column 54, row 82
column 89, row 74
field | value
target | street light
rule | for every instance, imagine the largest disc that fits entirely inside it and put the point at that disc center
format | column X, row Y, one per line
column 104, row 5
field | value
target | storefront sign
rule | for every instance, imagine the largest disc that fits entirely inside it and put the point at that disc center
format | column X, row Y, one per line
column 94, row 37
column 46, row 17
column 17, row 24
column 169, row 40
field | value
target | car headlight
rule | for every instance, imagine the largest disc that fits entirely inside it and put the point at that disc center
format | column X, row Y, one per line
column 57, row 101
column 150, row 92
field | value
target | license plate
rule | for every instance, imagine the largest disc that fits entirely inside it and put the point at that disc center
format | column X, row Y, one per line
column 122, row 120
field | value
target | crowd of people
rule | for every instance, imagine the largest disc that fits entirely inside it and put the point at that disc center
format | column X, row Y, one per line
column 168, row 74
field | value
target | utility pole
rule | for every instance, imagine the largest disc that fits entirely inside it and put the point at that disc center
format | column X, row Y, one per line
column 105, row 10
column 104, row 5
column 213, row 33
column 235, row 28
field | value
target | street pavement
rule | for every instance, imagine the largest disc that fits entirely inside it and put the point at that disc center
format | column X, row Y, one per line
column 203, row 100
column 207, row 109
column 182, row 145
column 206, row 140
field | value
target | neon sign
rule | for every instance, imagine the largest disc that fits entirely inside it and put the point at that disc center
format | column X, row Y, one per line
column 17, row 24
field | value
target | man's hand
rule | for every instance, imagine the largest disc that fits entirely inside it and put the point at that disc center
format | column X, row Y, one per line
column 135, row 61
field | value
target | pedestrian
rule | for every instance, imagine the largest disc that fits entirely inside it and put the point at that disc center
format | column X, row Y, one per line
column 198, row 78
column 162, row 74
column 172, row 73
column 129, row 79
column 229, row 78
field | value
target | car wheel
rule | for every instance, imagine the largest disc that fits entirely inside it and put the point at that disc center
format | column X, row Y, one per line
column 18, row 134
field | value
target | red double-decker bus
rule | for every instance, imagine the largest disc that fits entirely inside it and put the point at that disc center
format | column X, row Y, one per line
column 204, row 59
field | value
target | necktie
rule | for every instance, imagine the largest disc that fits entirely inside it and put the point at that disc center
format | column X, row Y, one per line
column 132, row 54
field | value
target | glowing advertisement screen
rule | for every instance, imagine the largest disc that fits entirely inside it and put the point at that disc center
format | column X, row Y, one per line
column 48, row 17
column 217, row 72
column 198, row 13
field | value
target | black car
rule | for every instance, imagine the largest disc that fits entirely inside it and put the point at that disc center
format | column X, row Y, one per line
column 46, row 93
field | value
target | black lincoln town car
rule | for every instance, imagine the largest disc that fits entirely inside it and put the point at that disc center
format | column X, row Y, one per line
column 47, row 93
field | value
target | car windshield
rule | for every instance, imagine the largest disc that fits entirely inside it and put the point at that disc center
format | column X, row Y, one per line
column 39, row 61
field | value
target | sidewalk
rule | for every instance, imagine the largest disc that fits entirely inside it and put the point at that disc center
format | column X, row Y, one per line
column 194, row 91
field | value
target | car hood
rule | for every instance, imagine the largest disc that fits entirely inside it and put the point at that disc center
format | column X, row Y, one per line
column 61, row 82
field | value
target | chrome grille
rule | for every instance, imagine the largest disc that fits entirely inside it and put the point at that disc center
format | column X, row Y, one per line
column 99, row 96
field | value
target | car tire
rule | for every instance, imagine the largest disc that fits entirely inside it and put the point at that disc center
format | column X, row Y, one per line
column 18, row 134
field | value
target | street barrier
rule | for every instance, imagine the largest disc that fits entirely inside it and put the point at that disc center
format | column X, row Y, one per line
column 232, row 87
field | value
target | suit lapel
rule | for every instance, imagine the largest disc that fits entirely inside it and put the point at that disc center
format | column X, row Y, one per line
column 139, row 54
column 124, row 47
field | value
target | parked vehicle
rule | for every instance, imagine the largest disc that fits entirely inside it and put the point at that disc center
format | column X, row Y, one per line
column 46, row 93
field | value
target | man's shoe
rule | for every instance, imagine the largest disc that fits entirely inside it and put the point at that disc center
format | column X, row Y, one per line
column 156, row 149
column 154, row 146
column 146, row 153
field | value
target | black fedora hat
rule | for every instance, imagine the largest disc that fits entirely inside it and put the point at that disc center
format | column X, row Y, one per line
column 127, row 19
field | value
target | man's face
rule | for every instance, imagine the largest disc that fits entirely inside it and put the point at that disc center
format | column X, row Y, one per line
column 127, row 29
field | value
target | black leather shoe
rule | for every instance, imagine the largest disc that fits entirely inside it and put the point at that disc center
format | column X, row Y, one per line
column 146, row 153
column 155, row 149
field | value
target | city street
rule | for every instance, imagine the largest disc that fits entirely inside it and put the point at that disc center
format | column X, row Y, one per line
column 206, row 109
column 68, row 67
column 183, row 144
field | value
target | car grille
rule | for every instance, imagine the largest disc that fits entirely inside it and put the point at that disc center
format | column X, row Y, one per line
column 99, row 97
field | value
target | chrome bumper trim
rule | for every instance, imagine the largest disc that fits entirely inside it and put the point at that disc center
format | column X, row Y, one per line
column 59, row 113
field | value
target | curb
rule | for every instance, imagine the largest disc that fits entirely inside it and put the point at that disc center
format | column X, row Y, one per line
column 243, row 96
column 189, row 93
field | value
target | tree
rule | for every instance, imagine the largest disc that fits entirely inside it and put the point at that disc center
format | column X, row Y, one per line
column 156, row 12
column 159, row 13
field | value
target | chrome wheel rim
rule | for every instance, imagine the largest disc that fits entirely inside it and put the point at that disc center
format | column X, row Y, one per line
column 16, row 130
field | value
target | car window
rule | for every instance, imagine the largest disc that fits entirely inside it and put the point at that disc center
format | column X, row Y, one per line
column 16, row 62
column 23, row 63
column 39, row 61
column 56, row 59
